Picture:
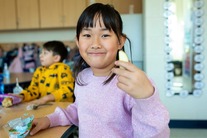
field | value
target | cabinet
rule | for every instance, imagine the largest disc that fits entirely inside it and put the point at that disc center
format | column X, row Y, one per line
column 72, row 11
column 7, row 15
column 19, row 14
column 27, row 14
column 40, row 14
column 123, row 6
column 50, row 13
column 60, row 13
column 100, row 1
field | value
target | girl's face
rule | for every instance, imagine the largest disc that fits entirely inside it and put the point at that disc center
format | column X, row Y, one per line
column 98, row 46
column 47, row 58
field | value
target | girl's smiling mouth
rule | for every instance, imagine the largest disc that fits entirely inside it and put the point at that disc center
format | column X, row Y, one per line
column 96, row 53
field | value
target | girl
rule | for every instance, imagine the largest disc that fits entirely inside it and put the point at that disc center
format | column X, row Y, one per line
column 110, row 101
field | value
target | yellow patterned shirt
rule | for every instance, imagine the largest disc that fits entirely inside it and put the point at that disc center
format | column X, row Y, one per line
column 56, row 80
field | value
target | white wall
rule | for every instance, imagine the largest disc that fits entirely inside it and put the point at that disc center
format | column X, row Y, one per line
column 37, row 35
column 180, row 108
column 133, row 28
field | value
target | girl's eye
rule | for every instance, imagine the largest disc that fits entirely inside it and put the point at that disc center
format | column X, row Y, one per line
column 86, row 35
column 106, row 35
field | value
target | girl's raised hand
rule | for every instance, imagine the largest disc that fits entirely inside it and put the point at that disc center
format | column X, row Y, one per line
column 132, row 80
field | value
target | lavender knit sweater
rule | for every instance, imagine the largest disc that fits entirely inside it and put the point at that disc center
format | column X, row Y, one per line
column 105, row 111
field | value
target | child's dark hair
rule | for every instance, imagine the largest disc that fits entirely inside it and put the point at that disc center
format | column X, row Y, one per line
column 112, row 21
column 58, row 48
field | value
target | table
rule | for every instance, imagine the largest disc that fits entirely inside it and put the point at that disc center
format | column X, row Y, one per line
column 8, row 114
column 24, row 80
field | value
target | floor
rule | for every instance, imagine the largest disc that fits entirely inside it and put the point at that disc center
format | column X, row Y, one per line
column 188, row 133
column 184, row 133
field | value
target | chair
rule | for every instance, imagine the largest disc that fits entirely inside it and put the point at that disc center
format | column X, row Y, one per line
column 71, row 132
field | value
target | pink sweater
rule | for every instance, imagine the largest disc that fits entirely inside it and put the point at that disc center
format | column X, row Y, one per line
column 105, row 111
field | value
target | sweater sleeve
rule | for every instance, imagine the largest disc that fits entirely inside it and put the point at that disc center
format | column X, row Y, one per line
column 66, row 85
column 63, row 117
column 32, row 92
column 150, row 118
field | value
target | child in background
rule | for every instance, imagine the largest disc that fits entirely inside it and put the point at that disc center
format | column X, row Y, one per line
column 53, row 81
column 110, row 101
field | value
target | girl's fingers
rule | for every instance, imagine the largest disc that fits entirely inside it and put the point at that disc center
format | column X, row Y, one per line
column 127, row 70
column 39, row 124
column 126, row 81
column 35, row 128
column 126, row 65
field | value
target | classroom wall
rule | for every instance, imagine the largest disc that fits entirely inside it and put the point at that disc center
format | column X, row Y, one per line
column 192, row 108
column 37, row 35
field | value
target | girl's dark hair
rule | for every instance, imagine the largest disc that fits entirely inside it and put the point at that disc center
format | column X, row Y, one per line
column 112, row 21
column 58, row 48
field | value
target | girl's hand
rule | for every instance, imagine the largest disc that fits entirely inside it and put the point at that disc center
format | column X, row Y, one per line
column 39, row 124
column 132, row 80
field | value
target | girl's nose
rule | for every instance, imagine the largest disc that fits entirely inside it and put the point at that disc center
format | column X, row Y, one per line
column 95, row 43
column 95, row 47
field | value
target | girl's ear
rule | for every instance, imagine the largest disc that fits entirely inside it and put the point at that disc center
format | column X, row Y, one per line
column 122, row 41
column 76, row 41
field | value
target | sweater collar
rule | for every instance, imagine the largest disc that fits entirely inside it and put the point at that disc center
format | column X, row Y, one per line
column 53, row 66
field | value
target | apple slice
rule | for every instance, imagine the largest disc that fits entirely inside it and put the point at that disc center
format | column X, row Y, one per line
column 123, row 57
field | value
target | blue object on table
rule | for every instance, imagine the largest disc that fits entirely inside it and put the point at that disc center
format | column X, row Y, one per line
column 1, row 84
column 1, row 87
